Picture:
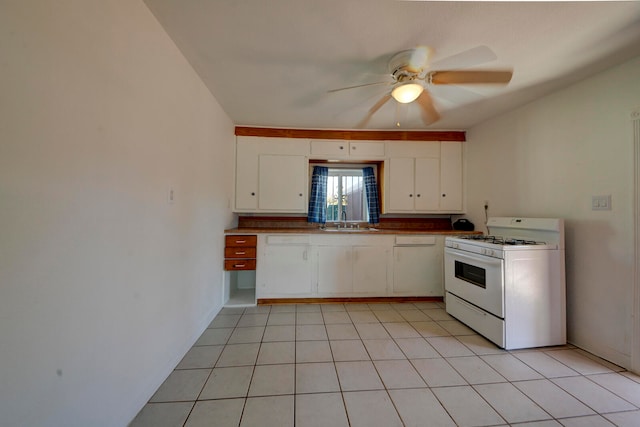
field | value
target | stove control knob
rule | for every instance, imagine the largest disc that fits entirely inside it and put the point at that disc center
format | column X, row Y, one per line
column 455, row 246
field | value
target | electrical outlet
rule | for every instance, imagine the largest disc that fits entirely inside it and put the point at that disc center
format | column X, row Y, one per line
column 601, row 203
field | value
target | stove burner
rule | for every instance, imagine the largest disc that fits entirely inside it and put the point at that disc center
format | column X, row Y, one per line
column 498, row 240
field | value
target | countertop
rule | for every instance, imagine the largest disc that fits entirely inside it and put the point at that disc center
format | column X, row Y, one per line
column 308, row 230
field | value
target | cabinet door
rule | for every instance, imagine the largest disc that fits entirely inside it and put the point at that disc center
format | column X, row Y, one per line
column 417, row 270
column 285, row 270
column 329, row 149
column 370, row 269
column 427, row 184
column 334, row 270
column 246, row 190
column 282, row 183
column 400, row 185
column 366, row 149
column 451, row 176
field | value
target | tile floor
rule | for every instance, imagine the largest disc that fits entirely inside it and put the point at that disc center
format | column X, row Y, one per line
column 381, row 365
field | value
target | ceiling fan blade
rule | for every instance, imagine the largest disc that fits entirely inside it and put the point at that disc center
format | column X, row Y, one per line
column 357, row 86
column 428, row 111
column 470, row 77
column 463, row 60
column 373, row 110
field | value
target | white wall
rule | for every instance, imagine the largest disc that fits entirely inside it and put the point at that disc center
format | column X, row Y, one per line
column 547, row 159
column 103, row 284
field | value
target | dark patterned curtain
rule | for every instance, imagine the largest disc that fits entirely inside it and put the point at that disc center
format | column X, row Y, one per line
column 318, row 198
column 371, row 187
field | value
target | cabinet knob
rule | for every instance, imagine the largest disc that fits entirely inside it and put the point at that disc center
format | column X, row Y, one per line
column 300, row 194
column 353, row 148
column 417, row 195
column 410, row 195
column 342, row 147
column 444, row 195
column 253, row 194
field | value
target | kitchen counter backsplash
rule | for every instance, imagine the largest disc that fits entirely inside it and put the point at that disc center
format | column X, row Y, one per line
column 299, row 224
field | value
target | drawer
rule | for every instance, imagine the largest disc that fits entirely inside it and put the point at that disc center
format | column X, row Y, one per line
column 241, row 240
column 415, row 240
column 239, row 252
column 239, row 264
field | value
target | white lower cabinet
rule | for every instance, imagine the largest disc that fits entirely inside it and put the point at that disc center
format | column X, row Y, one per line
column 284, row 267
column 418, row 266
column 306, row 266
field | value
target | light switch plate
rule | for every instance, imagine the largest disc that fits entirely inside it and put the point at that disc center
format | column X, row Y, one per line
column 601, row 203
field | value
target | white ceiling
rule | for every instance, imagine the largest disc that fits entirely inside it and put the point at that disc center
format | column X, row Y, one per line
column 271, row 62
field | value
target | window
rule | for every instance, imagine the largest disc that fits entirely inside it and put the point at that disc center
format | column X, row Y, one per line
column 346, row 195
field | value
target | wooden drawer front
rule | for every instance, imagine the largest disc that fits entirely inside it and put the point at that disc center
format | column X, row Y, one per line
column 243, row 241
column 239, row 252
column 239, row 264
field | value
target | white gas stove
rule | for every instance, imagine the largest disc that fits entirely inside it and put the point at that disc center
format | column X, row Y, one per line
column 510, row 285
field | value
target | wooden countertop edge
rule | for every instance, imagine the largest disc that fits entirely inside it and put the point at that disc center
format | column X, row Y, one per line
column 318, row 231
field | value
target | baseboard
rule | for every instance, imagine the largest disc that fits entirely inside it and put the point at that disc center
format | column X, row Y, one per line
column 347, row 300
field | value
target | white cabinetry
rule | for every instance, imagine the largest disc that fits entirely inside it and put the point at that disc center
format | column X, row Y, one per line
column 271, row 175
column 352, row 265
column 418, row 266
column 424, row 177
column 337, row 149
column 284, row 270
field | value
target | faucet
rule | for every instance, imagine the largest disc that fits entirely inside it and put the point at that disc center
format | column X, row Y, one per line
column 344, row 218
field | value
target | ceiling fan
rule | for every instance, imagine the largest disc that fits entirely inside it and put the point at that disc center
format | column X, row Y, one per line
column 411, row 77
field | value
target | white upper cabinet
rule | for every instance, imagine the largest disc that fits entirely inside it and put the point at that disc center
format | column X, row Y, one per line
column 271, row 175
column 337, row 149
column 423, row 177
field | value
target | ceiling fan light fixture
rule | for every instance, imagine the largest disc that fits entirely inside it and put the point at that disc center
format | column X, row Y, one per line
column 407, row 92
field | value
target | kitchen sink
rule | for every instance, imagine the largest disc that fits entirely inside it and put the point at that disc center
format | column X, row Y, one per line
column 350, row 230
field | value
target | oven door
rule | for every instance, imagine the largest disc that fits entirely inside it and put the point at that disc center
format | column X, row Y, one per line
column 477, row 279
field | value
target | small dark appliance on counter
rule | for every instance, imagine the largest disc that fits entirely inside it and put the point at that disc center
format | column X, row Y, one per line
column 463, row 225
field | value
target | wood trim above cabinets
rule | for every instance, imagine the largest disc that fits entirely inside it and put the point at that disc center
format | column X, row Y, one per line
column 369, row 135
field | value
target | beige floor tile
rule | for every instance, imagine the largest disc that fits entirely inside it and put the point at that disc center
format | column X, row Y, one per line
column 553, row 399
column 320, row 410
column 284, row 308
column 253, row 320
column 437, row 314
column 258, row 309
column 316, row 378
column 401, row 330
column 372, row 331
column 238, row 355
column 363, row 317
column 511, row 403
column 480, row 345
column 420, row 408
column 170, row 414
column 455, row 327
column 385, row 349
column 271, row 411
column 416, row 348
column 348, row 350
column 474, row 370
column 357, row 307
column 327, row 308
column 544, row 364
column 280, row 352
column 313, row 351
column 579, row 362
column 449, row 347
column 371, row 409
column 414, row 316
column 342, row 332
column 467, row 407
column 279, row 333
column 305, row 318
column 510, row 367
column 277, row 319
column 429, row 329
column 227, row 383
column 308, row 308
column 225, row 413
column 272, row 380
column 594, row 396
column 587, row 421
column 398, row 374
column 437, row 372
column 214, row 336
column 246, row 335
column 232, row 310
column 182, row 385
column 620, row 385
column 625, row 419
column 201, row 357
column 359, row 375
column 336, row 317
column 388, row 316
column 225, row 321
column 311, row 333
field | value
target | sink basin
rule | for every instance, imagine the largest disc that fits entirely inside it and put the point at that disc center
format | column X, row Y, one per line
column 350, row 230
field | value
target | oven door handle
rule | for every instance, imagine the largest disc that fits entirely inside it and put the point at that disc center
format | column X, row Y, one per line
column 471, row 256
